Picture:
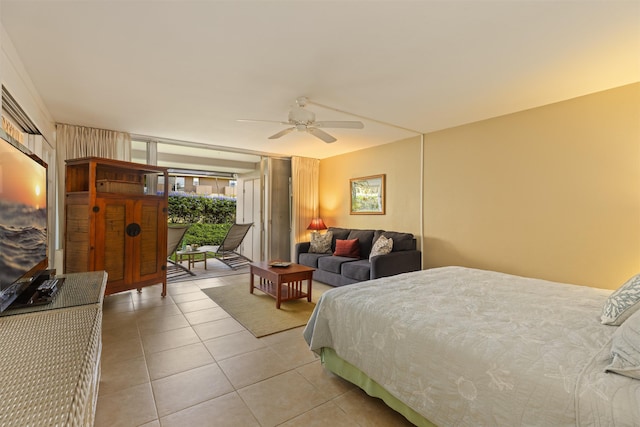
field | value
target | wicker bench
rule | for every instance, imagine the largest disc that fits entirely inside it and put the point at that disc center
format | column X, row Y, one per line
column 50, row 364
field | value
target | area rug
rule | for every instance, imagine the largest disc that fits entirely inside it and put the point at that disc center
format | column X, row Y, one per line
column 257, row 312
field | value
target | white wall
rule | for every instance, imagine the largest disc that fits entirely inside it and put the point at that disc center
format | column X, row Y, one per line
column 17, row 81
column 15, row 78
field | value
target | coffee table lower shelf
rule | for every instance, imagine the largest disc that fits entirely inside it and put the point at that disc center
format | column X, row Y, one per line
column 284, row 284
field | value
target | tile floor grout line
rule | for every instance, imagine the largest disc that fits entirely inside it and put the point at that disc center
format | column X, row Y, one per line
column 146, row 365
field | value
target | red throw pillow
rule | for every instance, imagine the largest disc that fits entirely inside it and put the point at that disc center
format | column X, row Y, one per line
column 348, row 248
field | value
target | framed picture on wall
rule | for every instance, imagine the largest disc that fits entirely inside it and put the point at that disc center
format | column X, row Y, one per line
column 367, row 195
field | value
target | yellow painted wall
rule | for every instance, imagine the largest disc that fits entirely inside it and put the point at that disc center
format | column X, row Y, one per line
column 400, row 161
column 552, row 192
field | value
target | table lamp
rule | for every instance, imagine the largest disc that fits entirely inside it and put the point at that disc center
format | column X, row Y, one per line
column 316, row 225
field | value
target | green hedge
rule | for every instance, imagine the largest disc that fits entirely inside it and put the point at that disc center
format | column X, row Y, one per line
column 193, row 208
column 210, row 217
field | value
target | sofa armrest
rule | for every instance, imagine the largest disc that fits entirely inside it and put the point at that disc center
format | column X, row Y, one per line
column 395, row 263
column 301, row 248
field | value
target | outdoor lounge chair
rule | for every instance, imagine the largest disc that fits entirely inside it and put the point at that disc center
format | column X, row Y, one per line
column 226, row 252
column 175, row 233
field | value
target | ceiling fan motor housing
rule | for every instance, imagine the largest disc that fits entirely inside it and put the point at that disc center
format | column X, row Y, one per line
column 300, row 116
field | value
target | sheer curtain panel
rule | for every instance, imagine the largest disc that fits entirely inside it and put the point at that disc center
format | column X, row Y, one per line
column 75, row 142
column 305, row 174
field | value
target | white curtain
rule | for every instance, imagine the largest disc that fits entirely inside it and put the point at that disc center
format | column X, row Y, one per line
column 305, row 174
column 74, row 142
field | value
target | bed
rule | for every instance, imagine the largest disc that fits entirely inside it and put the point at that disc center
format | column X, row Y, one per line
column 466, row 347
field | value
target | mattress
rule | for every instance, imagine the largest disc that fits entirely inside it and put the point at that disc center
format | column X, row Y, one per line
column 471, row 347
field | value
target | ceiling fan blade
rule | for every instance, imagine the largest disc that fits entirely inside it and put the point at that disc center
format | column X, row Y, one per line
column 340, row 124
column 262, row 121
column 321, row 134
column 282, row 133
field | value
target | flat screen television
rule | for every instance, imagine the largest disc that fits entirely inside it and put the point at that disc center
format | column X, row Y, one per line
column 23, row 219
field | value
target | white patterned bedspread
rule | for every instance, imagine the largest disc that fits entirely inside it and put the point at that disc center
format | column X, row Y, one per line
column 466, row 347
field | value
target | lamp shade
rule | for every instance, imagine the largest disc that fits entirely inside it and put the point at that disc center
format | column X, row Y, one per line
column 317, row 224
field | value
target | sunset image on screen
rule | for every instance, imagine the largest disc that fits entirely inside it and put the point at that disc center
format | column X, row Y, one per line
column 21, row 179
column 23, row 218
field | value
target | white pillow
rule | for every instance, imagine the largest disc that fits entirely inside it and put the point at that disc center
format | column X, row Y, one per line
column 382, row 246
column 625, row 348
column 622, row 303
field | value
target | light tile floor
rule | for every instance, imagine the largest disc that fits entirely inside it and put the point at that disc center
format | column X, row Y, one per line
column 183, row 361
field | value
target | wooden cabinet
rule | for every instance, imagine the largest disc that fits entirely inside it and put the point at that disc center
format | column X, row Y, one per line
column 116, row 220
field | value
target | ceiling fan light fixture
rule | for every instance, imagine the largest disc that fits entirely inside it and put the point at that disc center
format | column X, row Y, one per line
column 299, row 115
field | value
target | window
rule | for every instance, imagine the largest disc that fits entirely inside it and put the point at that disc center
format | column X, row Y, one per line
column 177, row 183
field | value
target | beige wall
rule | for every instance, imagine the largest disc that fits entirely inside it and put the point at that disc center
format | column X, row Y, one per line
column 400, row 162
column 552, row 192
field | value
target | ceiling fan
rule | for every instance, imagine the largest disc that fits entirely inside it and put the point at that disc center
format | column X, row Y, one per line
column 304, row 120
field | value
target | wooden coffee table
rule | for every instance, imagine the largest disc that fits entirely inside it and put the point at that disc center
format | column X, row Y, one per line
column 282, row 283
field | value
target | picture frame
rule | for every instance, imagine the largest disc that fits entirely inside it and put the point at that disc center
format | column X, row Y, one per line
column 368, row 195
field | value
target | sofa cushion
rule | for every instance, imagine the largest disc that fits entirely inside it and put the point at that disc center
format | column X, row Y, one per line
column 311, row 260
column 347, row 248
column 357, row 270
column 333, row 264
column 338, row 233
column 401, row 241
column 321, row 243
column 366, row 240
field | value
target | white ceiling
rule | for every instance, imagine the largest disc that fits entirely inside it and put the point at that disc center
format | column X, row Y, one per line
column 186, row 70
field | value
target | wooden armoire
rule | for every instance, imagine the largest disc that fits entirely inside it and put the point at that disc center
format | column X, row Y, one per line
column 116, row 220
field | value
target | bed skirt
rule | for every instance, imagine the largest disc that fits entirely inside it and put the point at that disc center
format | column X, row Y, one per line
column 342, row 368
